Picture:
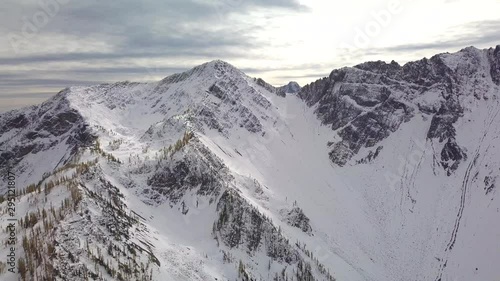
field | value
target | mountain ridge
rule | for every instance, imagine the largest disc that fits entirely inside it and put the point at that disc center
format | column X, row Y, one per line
column 370, row 173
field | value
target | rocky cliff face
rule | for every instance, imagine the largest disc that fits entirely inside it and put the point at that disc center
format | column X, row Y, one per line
column 368, row 102
column 51, row 128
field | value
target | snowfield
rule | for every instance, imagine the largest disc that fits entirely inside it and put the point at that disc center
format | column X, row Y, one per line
column 370, row 174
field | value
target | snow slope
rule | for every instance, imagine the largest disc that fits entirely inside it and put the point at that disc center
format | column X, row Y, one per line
column 219, row 176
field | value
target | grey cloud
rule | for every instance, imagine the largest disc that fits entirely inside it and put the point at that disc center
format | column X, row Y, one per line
column 41, row 95
column 312, row 76
column 131, row 70
column 133, row 18
column 153, row 30
column 149, row 28
column 30, row 82
column 81, row 76
column 92, row 56
column 472, row 34
column 299, row 67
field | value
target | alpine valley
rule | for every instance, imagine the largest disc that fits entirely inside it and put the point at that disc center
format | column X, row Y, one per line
column 378, row 172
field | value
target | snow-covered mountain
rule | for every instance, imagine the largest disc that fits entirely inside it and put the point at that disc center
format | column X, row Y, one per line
column 377, row 172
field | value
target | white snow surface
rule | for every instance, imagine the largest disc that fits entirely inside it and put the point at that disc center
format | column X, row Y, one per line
column 390, row 219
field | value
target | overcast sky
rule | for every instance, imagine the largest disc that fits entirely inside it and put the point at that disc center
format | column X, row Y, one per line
column 51, row 44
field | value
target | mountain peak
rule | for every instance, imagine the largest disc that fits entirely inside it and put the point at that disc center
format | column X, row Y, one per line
column 216, row 65
column 470, row 49
column 218, row 62
column 291, row 88
column 215, row 68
